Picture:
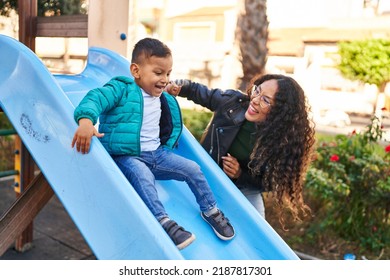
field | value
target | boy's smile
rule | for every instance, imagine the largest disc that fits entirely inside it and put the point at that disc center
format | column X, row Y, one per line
column 152, row 74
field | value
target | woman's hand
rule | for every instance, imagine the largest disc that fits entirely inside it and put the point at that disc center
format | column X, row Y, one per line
column 231, row 166
column 173, row 89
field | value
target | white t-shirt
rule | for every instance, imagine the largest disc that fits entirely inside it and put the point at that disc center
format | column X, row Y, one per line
column 150, row 130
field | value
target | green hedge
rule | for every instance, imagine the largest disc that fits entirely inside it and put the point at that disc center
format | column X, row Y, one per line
column 350, row 181
column 196, row 121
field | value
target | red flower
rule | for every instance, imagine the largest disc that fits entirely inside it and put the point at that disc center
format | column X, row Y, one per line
column 387, row 149
column 384, row 109
column 334, row 158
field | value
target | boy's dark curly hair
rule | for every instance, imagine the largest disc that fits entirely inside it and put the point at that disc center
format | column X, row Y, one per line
column 284, row 145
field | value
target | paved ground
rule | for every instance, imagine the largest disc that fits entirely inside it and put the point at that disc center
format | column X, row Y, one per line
column 55, row 236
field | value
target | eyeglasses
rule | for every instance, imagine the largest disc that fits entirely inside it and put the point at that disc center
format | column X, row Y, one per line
column 264, row 100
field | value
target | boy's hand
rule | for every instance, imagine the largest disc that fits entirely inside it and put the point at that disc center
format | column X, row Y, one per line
column 83, row 135
column 173, row 89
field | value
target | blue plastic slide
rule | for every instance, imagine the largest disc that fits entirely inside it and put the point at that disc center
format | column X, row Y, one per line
column 108, row 212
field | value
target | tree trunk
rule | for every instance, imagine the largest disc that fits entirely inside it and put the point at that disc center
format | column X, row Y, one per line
column 251, row 37
column 380, row 101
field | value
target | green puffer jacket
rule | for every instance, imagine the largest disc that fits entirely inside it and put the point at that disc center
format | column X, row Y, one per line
column 119, row 107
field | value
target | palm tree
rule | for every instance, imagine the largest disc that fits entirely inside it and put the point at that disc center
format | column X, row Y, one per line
column 251, row 37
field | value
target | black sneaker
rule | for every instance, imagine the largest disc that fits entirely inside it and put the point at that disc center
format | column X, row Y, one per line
column 220, row 224
column 179, row 235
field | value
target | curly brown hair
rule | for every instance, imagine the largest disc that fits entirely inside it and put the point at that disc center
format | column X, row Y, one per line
column 284, row 145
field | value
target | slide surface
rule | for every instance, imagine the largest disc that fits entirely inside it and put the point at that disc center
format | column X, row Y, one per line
column 108, row 212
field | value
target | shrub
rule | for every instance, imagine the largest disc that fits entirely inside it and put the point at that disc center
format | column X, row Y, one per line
column 7, row 145
column 351, row 178
column 196, row 121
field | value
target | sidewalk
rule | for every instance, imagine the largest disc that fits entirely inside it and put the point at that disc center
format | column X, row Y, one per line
column 55, row 236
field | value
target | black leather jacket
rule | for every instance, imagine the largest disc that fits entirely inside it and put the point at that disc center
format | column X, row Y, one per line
column 229, row 109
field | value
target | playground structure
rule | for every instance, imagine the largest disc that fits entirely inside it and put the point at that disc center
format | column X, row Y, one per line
column 109, row 214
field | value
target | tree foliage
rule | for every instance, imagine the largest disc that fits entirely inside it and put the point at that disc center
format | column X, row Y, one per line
column 6, row 6
column 48, row 7
column 367, row 61
column 251, row 37
column 61, row 7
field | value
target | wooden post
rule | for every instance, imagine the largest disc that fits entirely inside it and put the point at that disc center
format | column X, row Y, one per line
column 27, row 18
column 24, row 210
column 112, row 32
column 27, row 10
column 25, row 162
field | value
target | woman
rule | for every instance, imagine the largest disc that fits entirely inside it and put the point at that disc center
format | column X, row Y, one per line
column 262, row 139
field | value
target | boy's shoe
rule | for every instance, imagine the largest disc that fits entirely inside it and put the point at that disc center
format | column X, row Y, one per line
column 220, row 224
column 178, row 234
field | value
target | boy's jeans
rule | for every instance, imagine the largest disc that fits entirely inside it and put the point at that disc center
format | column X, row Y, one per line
column 163, row 164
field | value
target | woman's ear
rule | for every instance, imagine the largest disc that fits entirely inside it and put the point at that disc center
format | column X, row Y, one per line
column 134, row 69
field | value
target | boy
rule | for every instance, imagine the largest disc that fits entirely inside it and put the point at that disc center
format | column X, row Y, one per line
column 139, row 126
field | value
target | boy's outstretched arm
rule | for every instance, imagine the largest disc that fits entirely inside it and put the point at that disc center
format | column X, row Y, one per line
column 83, row 135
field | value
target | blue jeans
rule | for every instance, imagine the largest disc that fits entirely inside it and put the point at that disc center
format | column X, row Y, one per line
column 163, row 164
column 255, row 198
